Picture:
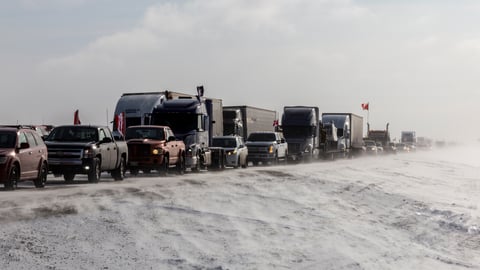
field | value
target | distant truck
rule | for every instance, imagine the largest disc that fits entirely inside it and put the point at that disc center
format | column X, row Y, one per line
column 342, row 135
column 408, row 137
column 301, row 129
column 383, row 137
column 154, row 148
column 83, row 149
column 195, row 121
column 243, row 120
column 266, row 147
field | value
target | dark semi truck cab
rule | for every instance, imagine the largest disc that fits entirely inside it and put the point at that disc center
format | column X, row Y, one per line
column 82, row 149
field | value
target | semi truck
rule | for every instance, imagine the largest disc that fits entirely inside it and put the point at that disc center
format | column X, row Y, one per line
column 138, row 107
column 301, row 129
column 243, row 120
column 195, row 121
column 408, row 137
column 342, row 135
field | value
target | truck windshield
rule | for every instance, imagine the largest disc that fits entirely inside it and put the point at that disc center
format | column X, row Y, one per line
column 297, row 132
column 224, row 142
column 7, row 139
column 145, row 133
column 73, row 134
column 180, row 123
column 261, row 137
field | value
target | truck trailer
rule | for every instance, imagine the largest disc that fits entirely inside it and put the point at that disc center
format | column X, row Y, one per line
column 243, row 120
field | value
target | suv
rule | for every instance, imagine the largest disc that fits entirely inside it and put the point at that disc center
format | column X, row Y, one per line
column 236, row 154
column 266, row 146
column 23, row 156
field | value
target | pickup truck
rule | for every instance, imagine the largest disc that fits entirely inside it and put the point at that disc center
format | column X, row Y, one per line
column 84, row 149
column 266, row 146
column 154, row 148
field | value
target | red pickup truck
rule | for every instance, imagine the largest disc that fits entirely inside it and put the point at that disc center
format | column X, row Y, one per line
column 154, row 148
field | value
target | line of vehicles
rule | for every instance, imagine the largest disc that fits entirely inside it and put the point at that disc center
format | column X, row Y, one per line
column 168, row 131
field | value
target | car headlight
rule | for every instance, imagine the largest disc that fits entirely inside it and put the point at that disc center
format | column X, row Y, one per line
column 233, row 152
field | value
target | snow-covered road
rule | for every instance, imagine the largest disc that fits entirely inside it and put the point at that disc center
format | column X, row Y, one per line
column 405, row 211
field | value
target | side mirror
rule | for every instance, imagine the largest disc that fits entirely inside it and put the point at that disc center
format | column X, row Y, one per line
column 106, row 140
column 241, row 146
column 282, row 140
column 24, row 145
column 171, row 138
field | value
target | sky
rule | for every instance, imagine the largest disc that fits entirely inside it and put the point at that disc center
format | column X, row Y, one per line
column 415, row 62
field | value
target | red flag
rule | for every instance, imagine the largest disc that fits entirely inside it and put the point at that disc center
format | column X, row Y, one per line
column 275, row 123
column 365, row 106
column 76, row 118
column 120, row 123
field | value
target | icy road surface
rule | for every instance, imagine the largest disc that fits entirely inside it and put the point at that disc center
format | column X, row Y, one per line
column 406, row 211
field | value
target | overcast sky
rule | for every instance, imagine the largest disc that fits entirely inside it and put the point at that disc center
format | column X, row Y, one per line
column 416, row 62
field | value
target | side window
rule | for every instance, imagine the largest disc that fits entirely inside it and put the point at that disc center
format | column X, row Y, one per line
column 21, row 138
column 102, row 135
column 38, row 138
column 31, row 139
column 168, row 133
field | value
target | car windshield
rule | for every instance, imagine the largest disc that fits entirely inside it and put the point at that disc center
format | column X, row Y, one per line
column 145, row 133
column 261, row 137
column 224, row 142
column 7, row 139
column 73, row 134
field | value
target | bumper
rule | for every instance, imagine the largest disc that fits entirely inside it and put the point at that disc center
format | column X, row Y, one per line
column 60, row 166
column 151, row 162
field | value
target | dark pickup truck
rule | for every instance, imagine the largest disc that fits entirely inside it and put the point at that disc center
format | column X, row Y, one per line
column 82, row 149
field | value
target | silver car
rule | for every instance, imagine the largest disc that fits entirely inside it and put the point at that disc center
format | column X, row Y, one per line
column 235, row 150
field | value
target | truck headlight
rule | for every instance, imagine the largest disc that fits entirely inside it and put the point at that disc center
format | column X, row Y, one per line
column 89, row 152
column 157, row 151
column 270, row 149
column 233, row 152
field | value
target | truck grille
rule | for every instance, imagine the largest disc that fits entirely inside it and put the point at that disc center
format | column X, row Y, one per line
column 257, row 149
column 138, row 150
column 61, row 153
column 294, row 148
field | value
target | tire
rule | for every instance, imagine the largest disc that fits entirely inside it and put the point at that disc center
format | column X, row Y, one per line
column 181, row 165
column 119, row 173
column 245, row 163
column 238, row 163
column 94, row 173
column 42, row 176
column 198, row 165
column 13, row 177
column 165, row 166
column 68, row 177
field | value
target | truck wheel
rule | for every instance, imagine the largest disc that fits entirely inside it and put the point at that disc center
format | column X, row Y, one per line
column 42, row 176
column 197, row 166
column 181, row 165
column 68, row 177
column 245, row 163
column 119, row 173
column 13, row 178
column 94, row 173
column 165, row 166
